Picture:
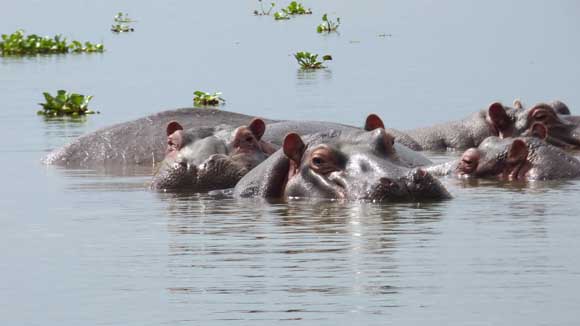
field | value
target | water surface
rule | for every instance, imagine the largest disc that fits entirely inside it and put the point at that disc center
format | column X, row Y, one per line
column 83, row 247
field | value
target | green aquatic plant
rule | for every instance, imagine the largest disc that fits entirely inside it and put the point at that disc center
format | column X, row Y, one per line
column 328, row 25
column 262, row 11
column 294, row 8
column 308, row 60
column 122, row 23
column 19, row 44
column 203, row 98
column 65, row 104
column 121, row 28
column 122, row 18
column 281, row 16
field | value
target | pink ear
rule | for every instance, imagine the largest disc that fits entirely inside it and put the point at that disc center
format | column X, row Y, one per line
column 373, row 122
column 518, row 151
column 539, row 130
column 294, row 147
column 499, row 118
column 172, row 127
column 258, row 127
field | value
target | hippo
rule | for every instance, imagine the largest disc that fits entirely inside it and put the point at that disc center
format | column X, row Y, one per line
column 523, row 158
column 339, row 164
column 141, row 141
column 200, row 159
column 501, row 121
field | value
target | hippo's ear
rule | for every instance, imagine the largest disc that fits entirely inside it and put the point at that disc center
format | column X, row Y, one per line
column 539, row 130
column 172, row 127
column 500, row 120
column 518, row 104
column 560, row 107
column 294, row 147
column 258, row 127
column 373, row 122
column 518, row 151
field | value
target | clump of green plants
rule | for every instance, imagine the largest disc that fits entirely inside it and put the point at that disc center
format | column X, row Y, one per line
column 294, row 8
column 65, row 104
column 203, row 98
column 122, row 18
column 121, row 25
column 308, row 60
column 19, row 44
column 328, row 25
column 262, row 11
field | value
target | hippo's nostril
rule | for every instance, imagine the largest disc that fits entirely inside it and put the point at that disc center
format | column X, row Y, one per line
column 386, row 182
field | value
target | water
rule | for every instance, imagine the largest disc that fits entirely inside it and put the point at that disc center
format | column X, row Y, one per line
column 82, row 247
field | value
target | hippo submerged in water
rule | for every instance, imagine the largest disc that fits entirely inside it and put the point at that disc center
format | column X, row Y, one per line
column 501, row 121
column 141, row 141
column 522, row 158
column 200, row 160
column 351, row 165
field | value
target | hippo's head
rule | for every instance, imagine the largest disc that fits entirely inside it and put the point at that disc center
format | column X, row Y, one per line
column 202, row 160
column 523, row 158
column 353, row 165
column 562, row 130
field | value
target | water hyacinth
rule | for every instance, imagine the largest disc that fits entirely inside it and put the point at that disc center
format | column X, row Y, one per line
column 294, row 8
column 308, row 60
column 65, row 104
column 121, row 25
column 328, row 25
column 19, row 44
column 207, row 99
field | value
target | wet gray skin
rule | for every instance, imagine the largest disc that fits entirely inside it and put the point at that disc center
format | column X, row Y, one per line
column 348, row 165
column 199, row 160
column 522, row 158
column 140, row 141
column 562, row 128
column 276, row 131
column 501, row 121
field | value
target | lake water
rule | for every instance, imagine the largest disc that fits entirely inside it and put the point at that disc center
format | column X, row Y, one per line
column 81, row 247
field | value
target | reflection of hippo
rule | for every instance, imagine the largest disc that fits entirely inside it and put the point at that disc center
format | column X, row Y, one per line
column 500, row 121
column 140, row 141
column 524, row 158
column 349, row 165
column 200, row 160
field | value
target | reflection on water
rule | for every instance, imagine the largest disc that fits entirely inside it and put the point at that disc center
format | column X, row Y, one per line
column 86, row 247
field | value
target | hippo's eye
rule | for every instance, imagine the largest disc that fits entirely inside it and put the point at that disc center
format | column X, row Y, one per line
column 317, row 161
column 540, row 115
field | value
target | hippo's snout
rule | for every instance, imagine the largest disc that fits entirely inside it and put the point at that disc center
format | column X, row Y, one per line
column 174, row 175
column 418, row 184
column 423, row 185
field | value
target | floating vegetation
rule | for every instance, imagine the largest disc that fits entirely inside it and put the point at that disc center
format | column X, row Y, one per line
column 281, row 16
column 308, row 60
column 203, row 98
column 294, row 8
column 328, row 25
column 65, row 104
column 262, row 11
column 122, row 28
column 122, row 21
column 19, row 44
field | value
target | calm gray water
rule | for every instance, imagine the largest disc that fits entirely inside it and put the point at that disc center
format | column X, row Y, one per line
column 81, row 247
